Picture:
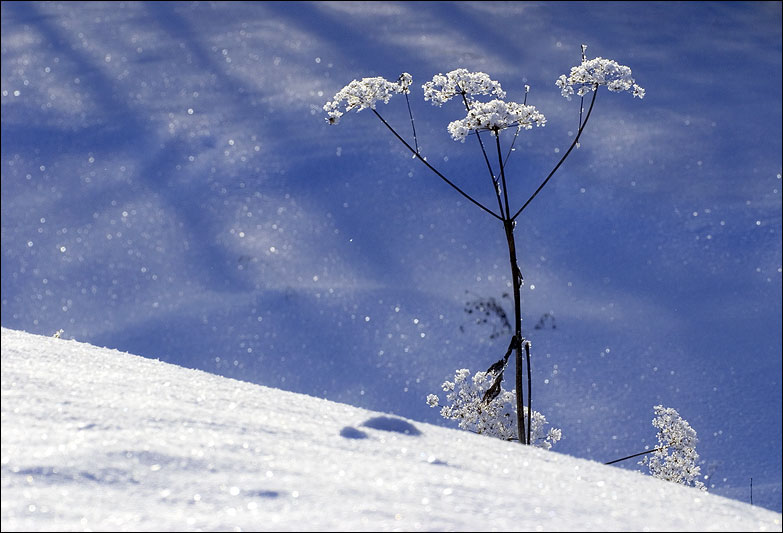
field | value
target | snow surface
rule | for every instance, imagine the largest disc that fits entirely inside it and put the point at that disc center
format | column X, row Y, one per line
column 97, row 439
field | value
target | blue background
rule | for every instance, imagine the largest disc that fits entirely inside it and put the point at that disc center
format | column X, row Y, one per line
column 170, row 188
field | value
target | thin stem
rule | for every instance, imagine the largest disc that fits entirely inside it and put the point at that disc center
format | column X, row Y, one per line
column 516, row 281
column 511, row 148
column 502, row 174
column 576, row 140
column 529, row 391
column 636, row 455
column 410, row 114
column 481, row 143
column 441, row 176
column 486, row 158
column 516, row 133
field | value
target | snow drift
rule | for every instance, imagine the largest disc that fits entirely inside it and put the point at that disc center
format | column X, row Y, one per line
column 97, row 439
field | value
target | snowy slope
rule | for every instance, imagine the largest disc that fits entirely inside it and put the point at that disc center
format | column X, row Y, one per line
column 97, row 439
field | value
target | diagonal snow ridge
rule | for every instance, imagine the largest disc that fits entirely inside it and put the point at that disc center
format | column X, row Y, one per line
column 98, row 439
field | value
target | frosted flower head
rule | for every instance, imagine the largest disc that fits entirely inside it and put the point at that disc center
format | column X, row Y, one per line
column 497, row 418
column 443, row 88
column 494, row 116
column 365, row 93
column 676, row 458
column 404, row 82
column 596, row 72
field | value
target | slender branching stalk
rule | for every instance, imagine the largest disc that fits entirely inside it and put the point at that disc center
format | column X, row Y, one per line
column 562, row 159
column 495, row 185
column 413, row 126
column 518, row 342
column 516, row 133
column 636, row 455
column 433, row 169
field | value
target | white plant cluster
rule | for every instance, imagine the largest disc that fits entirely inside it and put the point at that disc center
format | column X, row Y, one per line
column 676, row 457
column 596, row 72
column 496, row 418
column 443, row 88
column 364, row 93
column 494, row 116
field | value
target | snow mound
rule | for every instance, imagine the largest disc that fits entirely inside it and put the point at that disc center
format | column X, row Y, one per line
column 97, row 439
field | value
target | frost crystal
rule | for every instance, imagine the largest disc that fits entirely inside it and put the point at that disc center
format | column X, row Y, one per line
column 494, row 116
column 676, row 457
column 364, row 94
column 443, row 88
column 496, row 418
column 595, row 72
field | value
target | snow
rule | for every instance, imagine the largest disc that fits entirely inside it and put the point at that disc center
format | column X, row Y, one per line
column 97, row 439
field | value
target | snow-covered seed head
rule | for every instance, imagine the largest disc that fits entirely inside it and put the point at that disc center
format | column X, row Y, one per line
column 443, row 88
column 593, row 73
column 494, row 116
column 675, row 458
column 365, row 93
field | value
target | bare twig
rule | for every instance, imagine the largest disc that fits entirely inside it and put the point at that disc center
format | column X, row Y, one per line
column 636, row 455
column 427, row 164
column 576, row 141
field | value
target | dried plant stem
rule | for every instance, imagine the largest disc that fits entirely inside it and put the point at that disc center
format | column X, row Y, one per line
column 518, row 343
column 636, row 455
column 508, row 224
column 441, row 176
column 413, row 126
column 562, row 159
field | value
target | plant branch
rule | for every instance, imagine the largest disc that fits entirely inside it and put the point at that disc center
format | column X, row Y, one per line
column 410, row 114
column 502, row 174
column 486, row 159
column 573, row 144
column 636, row 455
column 529, row 392
column 516, row 134
column 511, row 148
column 441, row 176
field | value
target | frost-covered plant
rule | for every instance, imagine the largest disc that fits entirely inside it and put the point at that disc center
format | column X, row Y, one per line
column 365, row 94
column 460, row 82
column 494, row 116
column 483, row 99
column 496, row 418
column 596, row 72
column 675, row 457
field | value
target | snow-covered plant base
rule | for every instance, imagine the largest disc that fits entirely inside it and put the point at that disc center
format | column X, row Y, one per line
column 496, row 418
column 675, row 456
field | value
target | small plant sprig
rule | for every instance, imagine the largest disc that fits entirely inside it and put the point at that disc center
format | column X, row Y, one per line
column 494, row 418
column 675, row 457
column 492, row 118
